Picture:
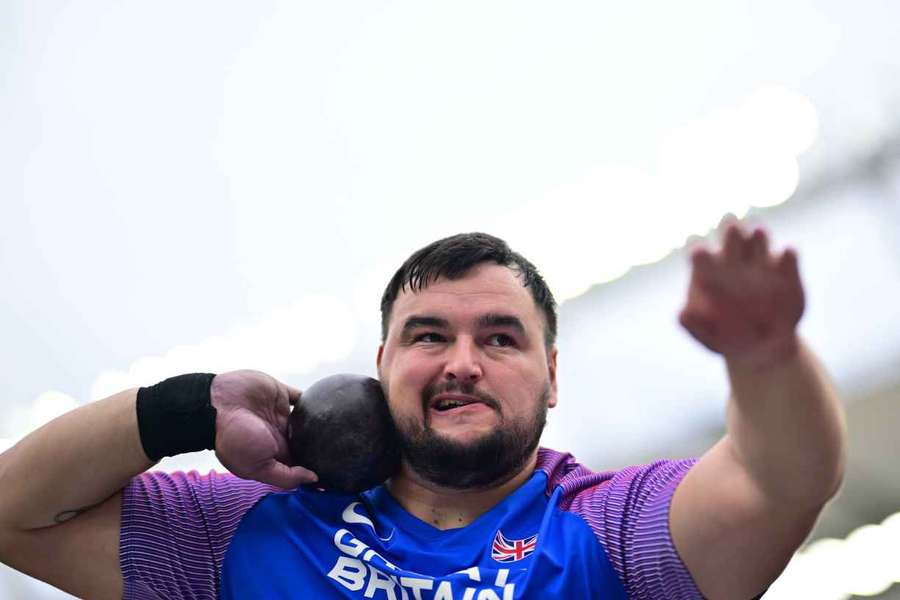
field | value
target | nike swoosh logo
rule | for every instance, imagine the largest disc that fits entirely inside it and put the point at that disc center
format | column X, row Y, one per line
column 351, row 516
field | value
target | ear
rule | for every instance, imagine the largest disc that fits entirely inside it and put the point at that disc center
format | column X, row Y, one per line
column 551, row 368
column 378, row 359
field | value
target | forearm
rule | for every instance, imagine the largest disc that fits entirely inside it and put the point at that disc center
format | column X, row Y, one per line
column 74, row 462
column 787, row 426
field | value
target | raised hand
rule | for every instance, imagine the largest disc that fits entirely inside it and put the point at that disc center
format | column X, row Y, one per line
column 251, row 428
column 744, row 302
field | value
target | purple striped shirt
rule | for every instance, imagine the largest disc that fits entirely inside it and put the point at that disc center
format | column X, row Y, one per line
column 176, row 527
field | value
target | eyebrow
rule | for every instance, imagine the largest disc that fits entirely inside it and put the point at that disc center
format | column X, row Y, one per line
column 484, row 321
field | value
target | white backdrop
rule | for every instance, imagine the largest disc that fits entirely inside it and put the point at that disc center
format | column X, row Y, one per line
column 212, row 186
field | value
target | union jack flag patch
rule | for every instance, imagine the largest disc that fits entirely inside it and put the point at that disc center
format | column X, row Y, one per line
column 504, row 550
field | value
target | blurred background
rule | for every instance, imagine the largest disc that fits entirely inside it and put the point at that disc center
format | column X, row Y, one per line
column 207, row 186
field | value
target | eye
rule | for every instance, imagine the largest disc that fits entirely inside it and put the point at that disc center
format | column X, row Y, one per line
column 425, row 335
column 504, row 340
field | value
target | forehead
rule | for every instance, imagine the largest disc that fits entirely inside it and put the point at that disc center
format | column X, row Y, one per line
column 487, row 287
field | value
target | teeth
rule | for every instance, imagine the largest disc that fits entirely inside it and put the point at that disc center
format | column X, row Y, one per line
column 448, row 404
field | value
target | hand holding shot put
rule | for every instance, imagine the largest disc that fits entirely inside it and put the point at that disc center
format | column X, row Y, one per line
column 252, row 412
column 429, row 483
column 341, row 427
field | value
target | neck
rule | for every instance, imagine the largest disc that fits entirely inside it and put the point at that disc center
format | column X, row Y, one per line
column 447, row 508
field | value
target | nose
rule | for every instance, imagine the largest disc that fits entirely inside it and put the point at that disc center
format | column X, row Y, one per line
column 463, row 361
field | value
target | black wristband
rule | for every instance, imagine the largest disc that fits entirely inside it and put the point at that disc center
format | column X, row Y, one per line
column 176, row 416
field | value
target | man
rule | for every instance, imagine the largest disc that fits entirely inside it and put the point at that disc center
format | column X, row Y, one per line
column 478, row 511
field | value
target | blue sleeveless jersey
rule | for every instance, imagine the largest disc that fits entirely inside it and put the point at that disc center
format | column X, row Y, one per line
column 313, row 544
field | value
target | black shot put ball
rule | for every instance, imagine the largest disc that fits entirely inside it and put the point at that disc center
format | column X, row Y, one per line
column 341, row 428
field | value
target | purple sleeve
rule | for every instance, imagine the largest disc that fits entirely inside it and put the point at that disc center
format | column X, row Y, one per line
column 628, row 511
column 176, row 528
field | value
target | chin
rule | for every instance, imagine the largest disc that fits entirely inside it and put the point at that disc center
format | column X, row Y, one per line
column 465, row 438
column 463, row 432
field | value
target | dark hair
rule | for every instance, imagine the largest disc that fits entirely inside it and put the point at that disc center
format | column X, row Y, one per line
column 453, row 257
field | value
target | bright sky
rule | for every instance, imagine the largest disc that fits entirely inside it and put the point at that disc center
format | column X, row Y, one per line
column 233, row 187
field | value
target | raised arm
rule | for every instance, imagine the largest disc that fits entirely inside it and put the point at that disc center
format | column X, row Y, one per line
column 747, row 505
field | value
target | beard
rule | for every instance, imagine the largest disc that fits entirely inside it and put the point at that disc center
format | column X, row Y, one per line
column 488, row 461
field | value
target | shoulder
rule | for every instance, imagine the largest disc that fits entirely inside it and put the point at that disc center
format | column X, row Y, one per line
column 628, row 512
column 562, row 470
column 183, row 480
column 578, row 482
column 211, row 491
column 176, row 527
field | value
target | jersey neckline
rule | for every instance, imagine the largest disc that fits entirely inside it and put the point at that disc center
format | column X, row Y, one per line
column 384, row 504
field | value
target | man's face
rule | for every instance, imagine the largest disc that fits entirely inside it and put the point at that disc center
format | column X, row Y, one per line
column 479, row 338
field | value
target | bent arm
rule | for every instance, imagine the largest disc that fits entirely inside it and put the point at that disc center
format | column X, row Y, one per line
column 90, row 461
column 71, row 464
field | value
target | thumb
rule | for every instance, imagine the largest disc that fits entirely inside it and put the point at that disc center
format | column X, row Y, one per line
column 283, row 476
column 701, row 329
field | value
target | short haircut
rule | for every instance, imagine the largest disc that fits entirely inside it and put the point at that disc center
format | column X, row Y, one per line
column 453, row 257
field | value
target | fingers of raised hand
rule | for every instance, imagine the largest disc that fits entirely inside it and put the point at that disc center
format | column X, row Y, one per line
column 739, row 246
column 759, row 245
column 740, row 290
column 751, row 249
column 787, row 264
column 702, row 258
column 733, row 243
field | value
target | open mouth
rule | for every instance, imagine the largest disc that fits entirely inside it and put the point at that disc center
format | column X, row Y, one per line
column 448, row 408
column 452, row 404
column 446, row 405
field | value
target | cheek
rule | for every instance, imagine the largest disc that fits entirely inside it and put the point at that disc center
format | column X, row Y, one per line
column 408, row 380
column 532, row 380
column 418, row 369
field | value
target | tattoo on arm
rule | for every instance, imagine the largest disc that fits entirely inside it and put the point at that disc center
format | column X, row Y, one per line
column 68, row 515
